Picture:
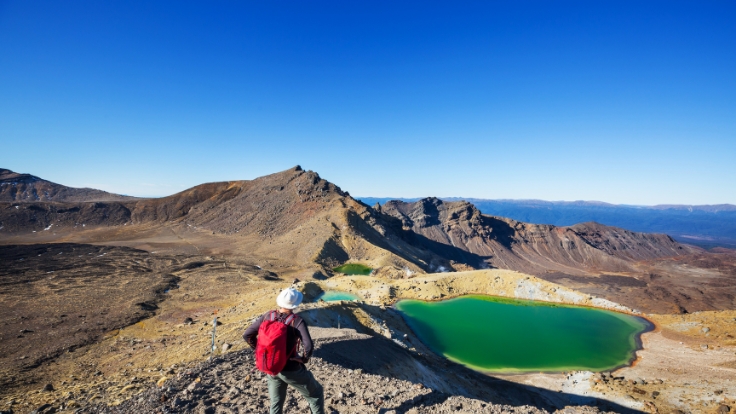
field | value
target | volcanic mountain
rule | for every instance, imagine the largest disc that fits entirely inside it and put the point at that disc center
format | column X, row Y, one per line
column 478, row 239
column 302, row 220
column 293, row 217
column 20, row 188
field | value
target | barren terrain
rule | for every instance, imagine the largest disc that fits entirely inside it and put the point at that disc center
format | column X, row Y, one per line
column 111, row 303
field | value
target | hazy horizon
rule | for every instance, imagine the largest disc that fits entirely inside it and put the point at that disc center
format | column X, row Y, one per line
column 360, row 197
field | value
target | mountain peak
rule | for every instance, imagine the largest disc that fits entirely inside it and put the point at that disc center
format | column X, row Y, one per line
column 6, row 174
column 17, row 187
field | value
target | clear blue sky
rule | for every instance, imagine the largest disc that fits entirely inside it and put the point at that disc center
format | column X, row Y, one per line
column 619, row 101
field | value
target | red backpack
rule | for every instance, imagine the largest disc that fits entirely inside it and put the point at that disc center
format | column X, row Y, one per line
column 271, row 352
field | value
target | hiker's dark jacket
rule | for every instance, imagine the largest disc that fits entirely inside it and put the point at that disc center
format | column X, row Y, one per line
column 296, row 330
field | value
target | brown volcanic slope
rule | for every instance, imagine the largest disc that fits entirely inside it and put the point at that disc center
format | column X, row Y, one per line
column 295, row 224
column 302, row 220
column 530, row 248
column 58, row 297
column 293, row 216
column 22, row 188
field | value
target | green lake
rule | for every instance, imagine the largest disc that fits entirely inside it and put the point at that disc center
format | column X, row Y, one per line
column 508, row 335
column 335, row 296
column 354, row 269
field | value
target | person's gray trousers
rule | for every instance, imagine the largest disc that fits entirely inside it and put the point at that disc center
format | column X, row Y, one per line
column 304, row 382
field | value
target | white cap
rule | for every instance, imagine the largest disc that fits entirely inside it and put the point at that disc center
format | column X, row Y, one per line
column 289, row 298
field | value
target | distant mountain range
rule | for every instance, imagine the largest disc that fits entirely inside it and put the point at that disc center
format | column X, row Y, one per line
column 297, row 216
column 703, row 225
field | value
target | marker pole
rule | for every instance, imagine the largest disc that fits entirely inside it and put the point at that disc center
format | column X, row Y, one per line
column 214, row 329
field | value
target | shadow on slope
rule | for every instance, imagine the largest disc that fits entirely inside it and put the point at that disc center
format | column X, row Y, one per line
column 380, row 356
column 501, row 230
column 415, row 248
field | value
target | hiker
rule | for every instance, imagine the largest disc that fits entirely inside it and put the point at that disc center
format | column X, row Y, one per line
column 276, row 336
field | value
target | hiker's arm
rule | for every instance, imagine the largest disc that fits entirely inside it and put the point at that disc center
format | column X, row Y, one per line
column 251, row 334
column 306, row 341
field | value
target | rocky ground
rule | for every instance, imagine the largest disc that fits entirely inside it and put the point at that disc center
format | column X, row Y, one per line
column 67, row 308
column 121, row 359
column 57, row 298
column 147, row 366
column 229, row 384
column 690, row 283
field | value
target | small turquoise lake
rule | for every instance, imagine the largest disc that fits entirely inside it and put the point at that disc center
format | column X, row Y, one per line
column 508, row 335
column 335, row 296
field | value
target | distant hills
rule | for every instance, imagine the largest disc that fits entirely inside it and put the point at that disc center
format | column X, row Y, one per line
column 24, row 188
column 305, row 221
column 704, row 225
column 460, row 232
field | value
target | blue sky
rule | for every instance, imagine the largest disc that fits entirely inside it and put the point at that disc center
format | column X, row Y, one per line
column 619, row 101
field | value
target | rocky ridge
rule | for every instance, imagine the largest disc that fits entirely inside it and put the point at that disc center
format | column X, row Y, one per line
column 229, row 384
column 24, row 188
column 460, row 232
column 306, row 220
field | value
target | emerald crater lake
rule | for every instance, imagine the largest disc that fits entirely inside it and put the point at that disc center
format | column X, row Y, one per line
column 336, row 296
column 507, row 335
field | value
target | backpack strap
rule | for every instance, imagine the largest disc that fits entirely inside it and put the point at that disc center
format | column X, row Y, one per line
column 292, row 320
column 272, row 315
